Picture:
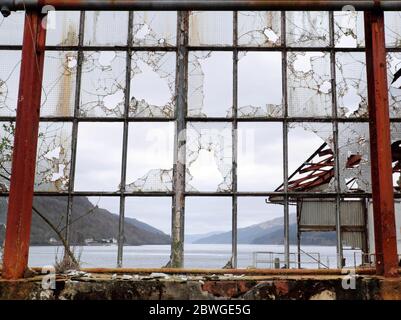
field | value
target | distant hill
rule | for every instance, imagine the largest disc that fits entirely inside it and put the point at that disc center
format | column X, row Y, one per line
column 269, row 232
column 99, row 224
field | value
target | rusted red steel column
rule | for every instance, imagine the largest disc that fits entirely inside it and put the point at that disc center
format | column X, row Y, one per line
column 19, row 216
column 380, row 150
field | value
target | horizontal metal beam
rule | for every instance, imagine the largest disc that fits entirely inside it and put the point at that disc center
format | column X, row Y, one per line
column 201, row 4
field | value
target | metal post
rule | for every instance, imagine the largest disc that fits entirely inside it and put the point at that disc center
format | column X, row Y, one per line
column 382, row 184
column 177, row 229
column 19, row 217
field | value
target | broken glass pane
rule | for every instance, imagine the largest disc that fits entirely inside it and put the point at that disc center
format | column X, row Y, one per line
column 210, row 84
column 11, row 28
column 106, row 28
column 99, row 151
column 354, row 157
column 9, row 81
column 310, row 157
column 53, row 156
column 394, row 82
column 155, row 28
column 396, row 155
column 349, row 29
column 352, row 95
column 307, row 28
column 7, row 130
column 260, row 164
column 309, row 84
column 209, row 157
column 103, row 84
column 207, row 222
column 152, row 84
column 3, row 222
column 393, row 29
column 260, row 85
column 153, row 216
column 210, row 28
column 259, row 28
column 62, row 28
column 150, row 156
column 59, row 80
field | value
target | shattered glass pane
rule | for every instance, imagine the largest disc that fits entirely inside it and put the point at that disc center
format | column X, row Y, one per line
column 309, row 84
column 152, row 84
column 150, row 157
column 354, row 157
column 11, row 28
column 259, row 28
column 99, row 152
column 103, row 84
column 103, row 28
column 394, row 82
column 210, row 28
column 209, row 157
column 259, row 164
column 393, row 28
column 260, row 85
column 53, row 156
column 307, row 28
column 349, row 29
column 59, row 81
column 352, row 95
column 7, row 130
column 310, row 157
column 62, row 28
column 210, row 84
column 9, row 81
column 155, row 28
column 396, row 154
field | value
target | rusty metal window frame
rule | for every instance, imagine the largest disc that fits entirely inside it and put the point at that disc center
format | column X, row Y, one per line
column 181, row 86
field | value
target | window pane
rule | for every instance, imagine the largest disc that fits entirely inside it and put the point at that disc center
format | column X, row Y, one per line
column 9, row 81
column 62, row 28
column 349, row 29
column 12, row 28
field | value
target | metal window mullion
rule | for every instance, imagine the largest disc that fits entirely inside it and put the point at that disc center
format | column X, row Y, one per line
column 234, row 131
column 125, row 145
column 71, row 185
column 335, row 141
column 285, row 141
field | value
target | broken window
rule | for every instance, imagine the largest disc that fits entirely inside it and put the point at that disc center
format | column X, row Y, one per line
column 103, row 84
column 9, row 81
column 394, row 82
column 309, row 84
column 98, row 161
column 311, row 157
column 59, row 84
column 150, row 157
column 393, row 29
column 153, row 216
column 396, row 155
column 260, row 164
column 106, row 28
column 352, row 95
column 209, row 157
column 259, row 28
column 62, row 28
column 349, row 29
column 307, row 28
column 11, row 28
column 259, row 85
column 354, row 157
column 53, row 156
column 210, row 84
column 7, row 130
column 210, row 28
column 155, row 28
column 152, row 87
column 199, row 212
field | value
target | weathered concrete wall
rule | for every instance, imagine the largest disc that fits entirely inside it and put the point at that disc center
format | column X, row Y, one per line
column 133, row 287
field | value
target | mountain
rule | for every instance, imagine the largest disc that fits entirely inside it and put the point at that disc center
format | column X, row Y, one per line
column 87, row 222
column 192, row 238
column 269, row 232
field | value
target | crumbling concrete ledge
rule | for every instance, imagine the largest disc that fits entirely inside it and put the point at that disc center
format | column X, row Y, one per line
column 161, row 286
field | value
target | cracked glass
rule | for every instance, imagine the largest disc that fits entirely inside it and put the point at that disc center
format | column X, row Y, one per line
column 392, row 26
column 9, row 81
column 7, row 130
column 11, row 28
column 394, row 83
column 349, row 29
